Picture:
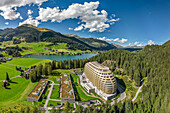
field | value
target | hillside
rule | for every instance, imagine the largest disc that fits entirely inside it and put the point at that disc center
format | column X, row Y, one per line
column 94, row 42
column 29, row 33
column 150, row 65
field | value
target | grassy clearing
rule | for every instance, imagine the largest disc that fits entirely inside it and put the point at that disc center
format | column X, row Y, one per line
column 17, row 92
column 53, row 103
column 10, row 66
column 27, row 61
column 55, row 92
column 7, row 68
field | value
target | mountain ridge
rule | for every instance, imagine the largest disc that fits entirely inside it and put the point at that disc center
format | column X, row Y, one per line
column 35, row 34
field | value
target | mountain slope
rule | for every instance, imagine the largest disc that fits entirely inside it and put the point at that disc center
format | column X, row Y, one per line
column 35, row 34
column 103, row 45
column 150, row 65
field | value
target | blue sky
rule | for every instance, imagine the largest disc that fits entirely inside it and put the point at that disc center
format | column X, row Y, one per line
column 124, row 22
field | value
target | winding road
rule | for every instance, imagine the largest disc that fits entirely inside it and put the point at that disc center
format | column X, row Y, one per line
column 122, row 95
column 137, row 92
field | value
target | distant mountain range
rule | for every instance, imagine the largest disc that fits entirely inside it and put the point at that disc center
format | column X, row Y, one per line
column 129, row 48
column 119, row 46
column 35, row 34
column 32, row 33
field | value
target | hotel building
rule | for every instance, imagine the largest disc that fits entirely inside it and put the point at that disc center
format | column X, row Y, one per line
column 98, row 78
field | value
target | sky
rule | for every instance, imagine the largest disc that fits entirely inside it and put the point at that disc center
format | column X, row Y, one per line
column 123, row 22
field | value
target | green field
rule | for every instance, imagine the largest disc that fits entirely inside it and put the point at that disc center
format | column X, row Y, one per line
column 18, row 90
column 19, row 87
column 10, row 66
column 53, row 103
column 56, row 92
column 39, row 47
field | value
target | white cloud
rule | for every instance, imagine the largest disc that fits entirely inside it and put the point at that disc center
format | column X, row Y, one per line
column 103, row 38
column 9, row 7
column 150, row 42
column 123, row 40
column 139, row 44
column 30, row 20
column 20, row 17
column 6, row 23
column 136, row 43
column 78, row 28
column 70, row 28
column 90, row 18
column 29, row 12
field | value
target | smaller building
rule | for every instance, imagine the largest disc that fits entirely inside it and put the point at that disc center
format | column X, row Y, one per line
column 86, row 85
column 37, row 91
column 67, row 92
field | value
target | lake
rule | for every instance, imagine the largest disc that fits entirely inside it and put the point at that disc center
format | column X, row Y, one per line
column 61, row 57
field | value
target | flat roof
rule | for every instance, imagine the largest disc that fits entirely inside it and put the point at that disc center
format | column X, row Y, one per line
column 67, row 89
column 38, row 89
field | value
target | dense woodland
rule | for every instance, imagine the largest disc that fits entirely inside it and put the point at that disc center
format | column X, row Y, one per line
column 152, row 62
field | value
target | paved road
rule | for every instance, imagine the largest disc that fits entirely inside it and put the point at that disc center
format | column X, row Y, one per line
column 54, row 100
column 122, row 95
column 49, row 94
column 15, row 65
column 12, row 78
column 137, row 92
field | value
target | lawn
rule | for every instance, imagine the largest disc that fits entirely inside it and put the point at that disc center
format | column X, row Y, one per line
column 10, row 66
column 27, row 61
column 53, row 103
column 83, row 97
column 55, row 92
column 17, row 92
column 55, row 79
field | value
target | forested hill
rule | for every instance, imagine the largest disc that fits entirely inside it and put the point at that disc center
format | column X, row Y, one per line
column 152, row 62
column 94, row 42
column 35, row 34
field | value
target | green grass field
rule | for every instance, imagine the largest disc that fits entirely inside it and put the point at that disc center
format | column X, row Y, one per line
column 53, row 103
column 56, row 92
column 38, row 47
column 19, row 87
column 10, row 66
column 17, row 92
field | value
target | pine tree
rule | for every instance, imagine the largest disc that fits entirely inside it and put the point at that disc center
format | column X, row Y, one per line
column 7, row 77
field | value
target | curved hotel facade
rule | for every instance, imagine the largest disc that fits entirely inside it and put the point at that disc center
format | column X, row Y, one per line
column 100, row 79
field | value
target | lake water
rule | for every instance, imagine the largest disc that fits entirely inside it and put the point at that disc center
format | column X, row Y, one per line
column 61, row 57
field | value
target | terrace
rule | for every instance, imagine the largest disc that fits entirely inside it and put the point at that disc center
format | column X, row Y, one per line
column 37, row 91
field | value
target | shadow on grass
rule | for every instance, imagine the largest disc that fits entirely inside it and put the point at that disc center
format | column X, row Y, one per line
column 7, row 88
column 13, row 82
